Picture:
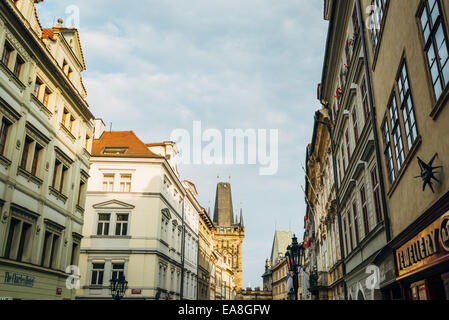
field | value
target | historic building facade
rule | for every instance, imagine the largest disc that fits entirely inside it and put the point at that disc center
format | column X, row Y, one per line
column 45, row 141
column 134, row 219
column 408, row 54
column 192, row 211
column 322, row 235
column 229, row 234
column 348, row 110
column 279, row 272
column 205, row 250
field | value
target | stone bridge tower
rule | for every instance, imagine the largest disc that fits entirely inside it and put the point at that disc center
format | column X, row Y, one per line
column 229, row 232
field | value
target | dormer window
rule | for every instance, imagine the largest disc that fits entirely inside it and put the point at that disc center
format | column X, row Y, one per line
column 115, row 150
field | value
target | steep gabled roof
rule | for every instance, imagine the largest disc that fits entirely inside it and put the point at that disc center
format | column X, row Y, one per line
column 121, row 139
column 282, row 239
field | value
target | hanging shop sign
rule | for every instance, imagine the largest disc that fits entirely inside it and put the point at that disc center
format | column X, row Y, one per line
column 426, row 249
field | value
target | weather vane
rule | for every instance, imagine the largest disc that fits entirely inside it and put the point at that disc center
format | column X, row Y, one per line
column 427, row 173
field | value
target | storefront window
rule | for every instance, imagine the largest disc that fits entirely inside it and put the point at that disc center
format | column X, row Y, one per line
column 445, row 278
column 419, row 291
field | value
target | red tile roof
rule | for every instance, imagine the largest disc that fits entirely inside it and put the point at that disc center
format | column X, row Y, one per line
column 48, row 33
column 122, row 139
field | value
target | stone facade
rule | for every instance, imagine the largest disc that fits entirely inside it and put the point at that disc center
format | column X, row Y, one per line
column 228, row 235
column 46, row 136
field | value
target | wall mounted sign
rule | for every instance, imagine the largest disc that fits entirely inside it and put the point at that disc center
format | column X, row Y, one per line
column 18, row 279
column 444, row 232
column 425, row 249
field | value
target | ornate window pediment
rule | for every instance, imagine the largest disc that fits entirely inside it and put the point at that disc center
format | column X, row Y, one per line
column 114, row 204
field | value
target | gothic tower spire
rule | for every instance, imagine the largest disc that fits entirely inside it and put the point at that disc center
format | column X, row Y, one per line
column 223, row 212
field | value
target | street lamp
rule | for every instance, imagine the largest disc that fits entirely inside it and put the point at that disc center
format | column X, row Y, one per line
column 295, row 254
column 118, row 287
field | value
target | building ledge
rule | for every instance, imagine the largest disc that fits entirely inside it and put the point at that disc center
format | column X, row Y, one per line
column 41, row 106
column 12, row 77
column 58, row 194
column 29, row 176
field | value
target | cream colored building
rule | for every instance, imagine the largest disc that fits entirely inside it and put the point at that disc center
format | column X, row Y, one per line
column 192, row 211
column 133, row 220
column 46, row 135
column 225, row 286
column 205, row 249
column 279, row 272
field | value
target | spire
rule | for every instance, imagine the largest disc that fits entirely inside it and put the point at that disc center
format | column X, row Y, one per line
column 241, row 217
column 223, row 212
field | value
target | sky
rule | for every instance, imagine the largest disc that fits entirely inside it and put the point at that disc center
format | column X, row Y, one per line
column 158, row 65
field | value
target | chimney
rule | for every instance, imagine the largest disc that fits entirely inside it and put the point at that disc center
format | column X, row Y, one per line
column 98, row 128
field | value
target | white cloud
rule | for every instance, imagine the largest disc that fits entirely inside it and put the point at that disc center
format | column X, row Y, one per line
column 157, row 65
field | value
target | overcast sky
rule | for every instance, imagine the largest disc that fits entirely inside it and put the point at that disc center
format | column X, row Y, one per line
column 158, row 65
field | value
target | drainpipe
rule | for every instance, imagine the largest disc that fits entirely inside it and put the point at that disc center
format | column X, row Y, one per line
column 374, row 125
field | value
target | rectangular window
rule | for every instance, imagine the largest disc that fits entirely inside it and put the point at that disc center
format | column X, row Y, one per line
column 97, row 274
column 388, row 153
column 350, row 231
column 75, row 254
column 364, row 210
column 365, row 102
column 435, row 44
column 118, row 270
column 121, row 226
column 12, row 236
column 50, row 250
column 356, row 223
column 54, row 251
column 37, row 88
column 103, row 224
column 55, row 173
column 71, row 124
column 355, row 124
column 408, row 112
column 26, row 152
column 396, row 132
column 35, row 165
column 348, row 146
column 376, row 17
column 376, row 194
column 65, row 116
column 4, row 130
column 125, row 183
column 18, row 66
column 355, row 21
column 108, row 182
column 46, row 99
column 7, row 52
column 24, row 240
column 64, row 174
column 81, row 193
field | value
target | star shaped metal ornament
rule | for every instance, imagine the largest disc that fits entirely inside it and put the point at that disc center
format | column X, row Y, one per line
column 427, row 173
